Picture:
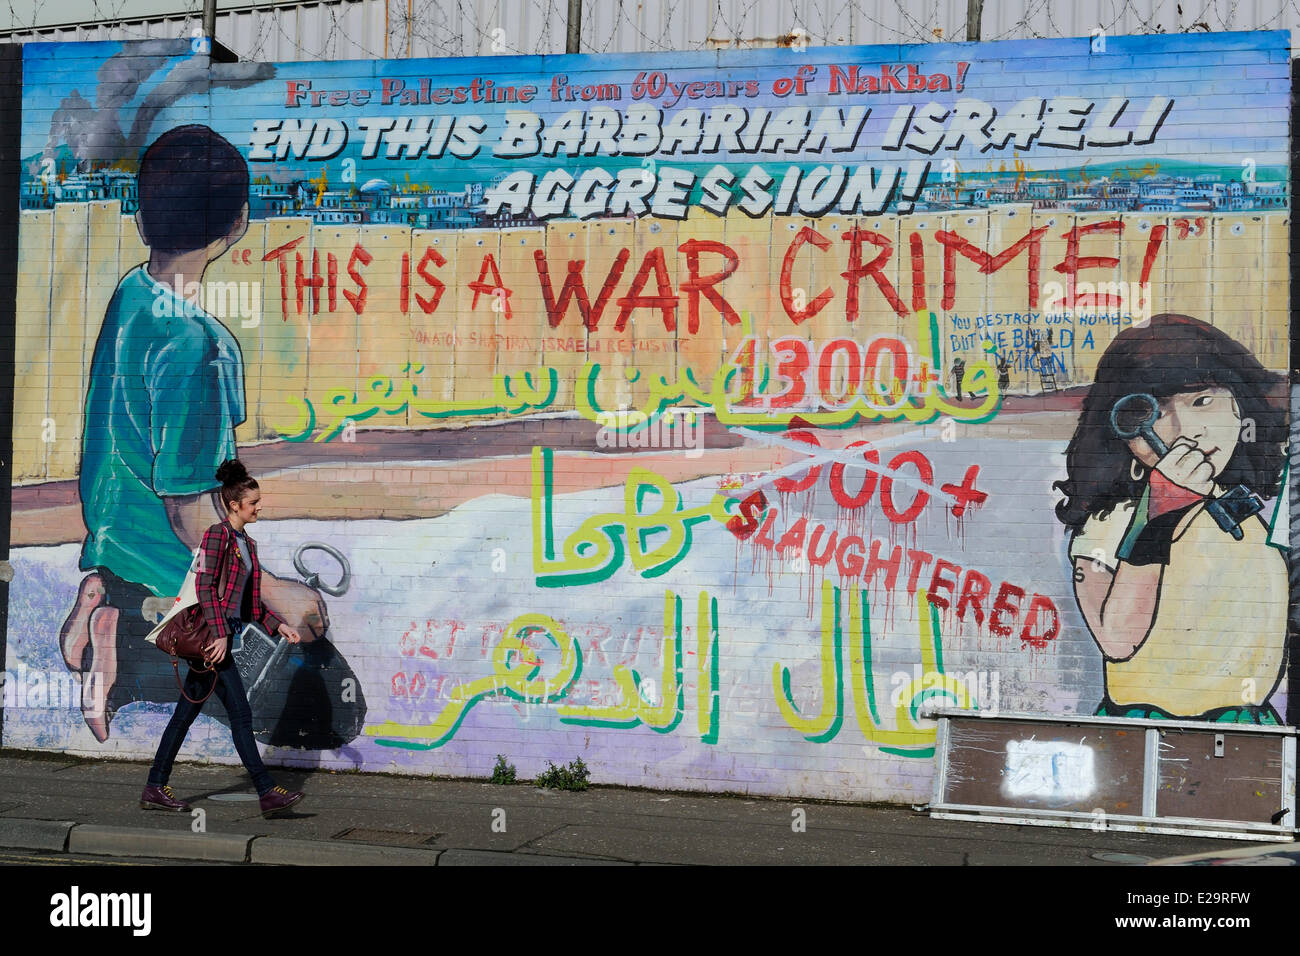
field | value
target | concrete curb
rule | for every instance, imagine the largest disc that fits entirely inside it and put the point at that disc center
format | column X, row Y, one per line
column 18, row 834
column 173, row 844
column 500, row 858
column 65, row 836
column 322, row 853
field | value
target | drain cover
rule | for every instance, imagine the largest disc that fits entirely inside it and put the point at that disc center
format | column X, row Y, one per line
column 386, row 837
column 1109, row 857
column 234, row 797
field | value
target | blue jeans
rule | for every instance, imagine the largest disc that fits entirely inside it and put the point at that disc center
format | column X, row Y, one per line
column 230, row 690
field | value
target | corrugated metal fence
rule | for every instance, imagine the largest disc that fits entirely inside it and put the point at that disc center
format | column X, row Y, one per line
column 374, row 29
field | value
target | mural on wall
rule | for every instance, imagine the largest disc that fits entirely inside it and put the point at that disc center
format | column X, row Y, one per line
column 712, row 419
column 1172, row 509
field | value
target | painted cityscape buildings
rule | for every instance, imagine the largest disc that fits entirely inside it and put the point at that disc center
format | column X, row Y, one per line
column 424, row 207
column 1207, row 192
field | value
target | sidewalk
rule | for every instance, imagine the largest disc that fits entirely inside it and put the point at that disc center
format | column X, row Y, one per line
column 64, row 804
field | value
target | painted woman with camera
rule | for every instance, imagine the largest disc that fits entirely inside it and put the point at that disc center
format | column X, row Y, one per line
column 1189, row 611
column 227, row 555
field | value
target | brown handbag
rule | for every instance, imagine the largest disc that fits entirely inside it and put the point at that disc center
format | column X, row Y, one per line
column 188, row 636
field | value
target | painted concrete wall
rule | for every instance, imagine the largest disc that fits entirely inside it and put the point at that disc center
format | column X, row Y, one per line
column 706, row 417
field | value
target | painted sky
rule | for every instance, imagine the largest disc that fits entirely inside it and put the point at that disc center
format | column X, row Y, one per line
column 1236, row 112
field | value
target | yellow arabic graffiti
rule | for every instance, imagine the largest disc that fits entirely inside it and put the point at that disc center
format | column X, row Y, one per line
column 524, row 392
column 512, row 394
column 514, row 673
column 633, row 707
column 515, row 669
column 933, row 404
column 824, row 726
column 601, row 543
column 909, row 737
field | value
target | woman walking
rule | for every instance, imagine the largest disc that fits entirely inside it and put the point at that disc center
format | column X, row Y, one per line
column 227, row 554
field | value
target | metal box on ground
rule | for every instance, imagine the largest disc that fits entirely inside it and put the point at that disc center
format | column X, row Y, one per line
column 1157, row 776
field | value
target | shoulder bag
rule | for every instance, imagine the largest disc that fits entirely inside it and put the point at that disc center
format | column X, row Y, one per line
column 184, row 633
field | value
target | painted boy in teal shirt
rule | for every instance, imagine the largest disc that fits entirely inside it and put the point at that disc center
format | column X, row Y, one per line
column 157, row 428
column 165, row 393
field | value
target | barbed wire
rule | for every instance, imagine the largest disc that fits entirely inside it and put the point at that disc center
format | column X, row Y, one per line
column 322, row 31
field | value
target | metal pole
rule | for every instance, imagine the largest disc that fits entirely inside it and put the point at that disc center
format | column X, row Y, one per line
column 210, row 19
column 974, row 13
column 574, row 38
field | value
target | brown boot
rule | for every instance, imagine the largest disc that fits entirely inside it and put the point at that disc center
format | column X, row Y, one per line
column 278, row 799
column 162, row 798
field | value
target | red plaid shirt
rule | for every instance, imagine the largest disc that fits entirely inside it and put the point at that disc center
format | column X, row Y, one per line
column 217, row 552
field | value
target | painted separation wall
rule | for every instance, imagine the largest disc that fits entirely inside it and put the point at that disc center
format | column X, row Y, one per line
column 705, row 416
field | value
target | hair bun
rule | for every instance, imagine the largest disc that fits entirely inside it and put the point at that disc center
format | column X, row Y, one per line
column 232, row 472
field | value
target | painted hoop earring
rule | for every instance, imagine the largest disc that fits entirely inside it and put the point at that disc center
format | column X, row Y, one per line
column 1135, row 470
